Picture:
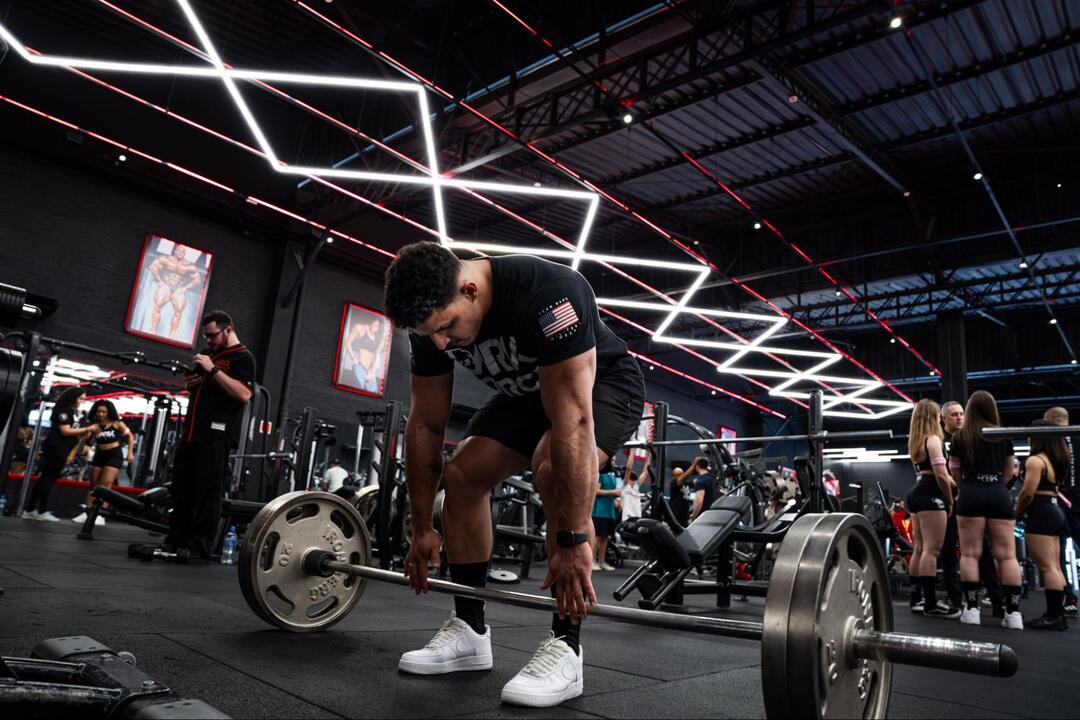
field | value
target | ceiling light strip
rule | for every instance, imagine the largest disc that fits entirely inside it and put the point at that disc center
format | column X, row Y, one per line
column 592, row 186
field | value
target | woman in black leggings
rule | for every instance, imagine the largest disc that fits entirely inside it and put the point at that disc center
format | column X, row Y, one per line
column 1044, row 521
column 62, row 437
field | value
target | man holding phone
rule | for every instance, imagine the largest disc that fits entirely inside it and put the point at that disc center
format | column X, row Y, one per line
column 219, row 384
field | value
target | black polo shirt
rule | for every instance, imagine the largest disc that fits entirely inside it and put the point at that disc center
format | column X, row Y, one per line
column 212, row 412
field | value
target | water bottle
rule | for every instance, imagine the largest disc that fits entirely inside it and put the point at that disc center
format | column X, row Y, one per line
column 228, row 548
column 3, row 504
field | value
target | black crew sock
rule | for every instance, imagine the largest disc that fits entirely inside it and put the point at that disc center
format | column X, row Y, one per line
column 566, row 629
column 916, row 589
column 929, row 592
column 1012, row 598
column 971, row 595
column 1055, row 603
column 470, row 610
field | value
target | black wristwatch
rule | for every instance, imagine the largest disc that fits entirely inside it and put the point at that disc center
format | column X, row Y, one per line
column 213, row 371
column 569, row 538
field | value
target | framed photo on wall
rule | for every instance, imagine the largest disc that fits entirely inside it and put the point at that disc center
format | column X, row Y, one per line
column 169, row 291
column 726, row 433
column 363, row 353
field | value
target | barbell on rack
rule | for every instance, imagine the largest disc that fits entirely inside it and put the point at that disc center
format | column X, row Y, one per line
column 812, row 437
column 827, row 637
column 1032, row 431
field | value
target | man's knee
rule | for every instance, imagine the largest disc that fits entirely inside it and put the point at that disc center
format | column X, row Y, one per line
column 459, row 483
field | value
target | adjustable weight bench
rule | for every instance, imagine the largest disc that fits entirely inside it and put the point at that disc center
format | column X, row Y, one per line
column 672, row 558
column 148, row 510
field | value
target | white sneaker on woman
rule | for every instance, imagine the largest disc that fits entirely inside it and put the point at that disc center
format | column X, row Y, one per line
column 553, row 675
column 79, row 518
column 455, row 647
column 30, row 515
column 971, row 616
column 1013, row 620
column 47, row 516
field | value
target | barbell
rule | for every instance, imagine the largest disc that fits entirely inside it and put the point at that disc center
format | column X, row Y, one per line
column 827, row 637
column 809, row 437
column 1032, row 431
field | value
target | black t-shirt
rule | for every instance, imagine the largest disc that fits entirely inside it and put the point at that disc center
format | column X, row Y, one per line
column 212, row 412
column 706, row 483
column 541, row 313
column 989, row 459
column 55, row 441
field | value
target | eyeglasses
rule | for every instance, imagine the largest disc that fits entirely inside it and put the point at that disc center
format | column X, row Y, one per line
column 211, row 336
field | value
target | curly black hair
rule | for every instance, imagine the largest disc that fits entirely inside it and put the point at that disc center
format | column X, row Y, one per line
column 110, row 408
column 422, row 279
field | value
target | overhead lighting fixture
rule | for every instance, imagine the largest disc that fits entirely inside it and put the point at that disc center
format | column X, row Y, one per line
column 977, row 176
column 793, row 98
column 1059, row 186
column 628, row 118
column 1023, row 264
column 329, row 239
column 121, row 157
column 536, row 184
column 837, row 293
column 433, row 179
column 932, row 373
column 896, row 22
column 1073, row 361
column 757, row 226
column 1053, row 321
column 713, row 392
column 892, row 341
column 907, row 193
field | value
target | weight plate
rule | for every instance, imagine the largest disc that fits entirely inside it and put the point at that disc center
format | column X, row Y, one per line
column 504, row 577
column 272, row 576
column 365, row 501
column 828, row 580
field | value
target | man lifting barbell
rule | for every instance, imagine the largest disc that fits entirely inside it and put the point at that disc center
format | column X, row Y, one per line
column 568, row 396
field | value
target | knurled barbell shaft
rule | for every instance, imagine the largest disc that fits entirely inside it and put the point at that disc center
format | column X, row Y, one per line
column 1032, row 431
column 822, row 436
column 960, row 655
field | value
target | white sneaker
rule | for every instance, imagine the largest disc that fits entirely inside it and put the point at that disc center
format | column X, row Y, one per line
column 79, row 518
column 47, row 516
column 605, row 567
column 454, row 648
column 596, row 566
column 1013, row 620
column 970, row 616
column 30, row 515
column 553, row 675
column 99, row 521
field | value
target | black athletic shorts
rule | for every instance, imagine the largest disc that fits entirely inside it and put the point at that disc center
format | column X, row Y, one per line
column 991, row 501
column 925, row 496
column 1044, row 516
column 113, row 458
column 519, row 422
column 603, row 526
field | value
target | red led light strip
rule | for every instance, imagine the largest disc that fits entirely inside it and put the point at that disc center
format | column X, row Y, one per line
column 591, row 186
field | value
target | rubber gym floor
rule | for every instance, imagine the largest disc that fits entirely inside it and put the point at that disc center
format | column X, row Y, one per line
column 189, row 628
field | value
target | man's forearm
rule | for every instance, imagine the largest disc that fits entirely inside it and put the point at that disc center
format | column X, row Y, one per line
column 574, row 467
column 236, row 389
column 423, row 467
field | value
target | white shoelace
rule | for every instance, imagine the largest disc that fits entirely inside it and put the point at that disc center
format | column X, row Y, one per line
column 544, row 659
column 448, row 630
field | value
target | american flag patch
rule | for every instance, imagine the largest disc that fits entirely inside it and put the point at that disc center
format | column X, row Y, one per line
column 557, row 319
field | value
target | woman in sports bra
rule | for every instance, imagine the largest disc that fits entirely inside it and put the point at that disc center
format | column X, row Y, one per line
column 929, row 503
column 1044, row 521
column 984, row 465
column 109, row 452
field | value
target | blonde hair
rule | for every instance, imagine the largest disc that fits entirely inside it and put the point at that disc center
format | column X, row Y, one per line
column 925, row 421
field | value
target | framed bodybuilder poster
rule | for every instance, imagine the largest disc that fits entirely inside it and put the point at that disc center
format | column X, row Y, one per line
column 169, row 291
column 363, row 351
